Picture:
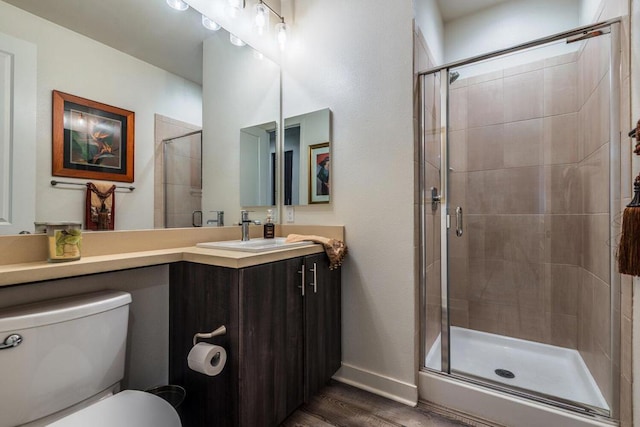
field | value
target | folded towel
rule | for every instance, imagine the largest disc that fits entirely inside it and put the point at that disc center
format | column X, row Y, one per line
column 335, row 249
column 100, row 206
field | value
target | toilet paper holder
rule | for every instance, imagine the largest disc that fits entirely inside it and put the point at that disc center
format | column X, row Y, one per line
column 222, row 330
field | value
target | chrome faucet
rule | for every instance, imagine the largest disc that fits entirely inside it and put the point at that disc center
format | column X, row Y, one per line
column 219, row 219
column 244, row 223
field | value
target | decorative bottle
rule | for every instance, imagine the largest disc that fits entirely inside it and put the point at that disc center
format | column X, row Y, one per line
column 269, row 226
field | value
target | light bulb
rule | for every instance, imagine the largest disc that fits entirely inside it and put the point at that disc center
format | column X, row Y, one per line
column 234, row 7
column 178, row 5
column 281, row 34
column 209, row 24
column 236, row 41
column 261, row 19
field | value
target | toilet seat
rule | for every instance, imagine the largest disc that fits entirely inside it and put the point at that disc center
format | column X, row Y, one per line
column 130, row 408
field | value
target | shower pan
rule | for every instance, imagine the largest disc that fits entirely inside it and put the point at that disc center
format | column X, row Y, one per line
column 520, row 185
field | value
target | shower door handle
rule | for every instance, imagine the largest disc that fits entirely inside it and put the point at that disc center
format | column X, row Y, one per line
column 459, row 223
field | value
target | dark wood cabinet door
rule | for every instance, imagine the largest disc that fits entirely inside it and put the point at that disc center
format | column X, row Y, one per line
column 202, row 298
column 271, row 343
column 322, row 308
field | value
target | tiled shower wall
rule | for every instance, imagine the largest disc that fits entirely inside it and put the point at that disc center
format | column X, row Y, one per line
column 516, row 173
column 184, row 174
column 530, row 166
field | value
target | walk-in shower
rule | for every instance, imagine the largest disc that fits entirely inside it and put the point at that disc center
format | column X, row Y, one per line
column 182, row 180
column 520, row 151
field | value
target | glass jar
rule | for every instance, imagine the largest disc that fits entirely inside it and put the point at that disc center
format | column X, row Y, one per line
column 65, row 241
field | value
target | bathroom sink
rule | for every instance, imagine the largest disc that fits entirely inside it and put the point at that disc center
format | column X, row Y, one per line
column 253, row 245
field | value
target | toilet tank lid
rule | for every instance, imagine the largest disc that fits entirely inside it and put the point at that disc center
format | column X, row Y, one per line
column 60, row 309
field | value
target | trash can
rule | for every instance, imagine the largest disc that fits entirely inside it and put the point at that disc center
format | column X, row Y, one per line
column 174, row 394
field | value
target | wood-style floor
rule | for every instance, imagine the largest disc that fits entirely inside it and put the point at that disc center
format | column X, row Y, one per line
column 341, row 405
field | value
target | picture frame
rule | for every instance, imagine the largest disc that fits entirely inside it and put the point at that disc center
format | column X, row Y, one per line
column 92, row 140
column 319, row 173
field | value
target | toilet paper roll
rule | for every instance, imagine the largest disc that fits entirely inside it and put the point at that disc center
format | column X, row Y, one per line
column 207, row 359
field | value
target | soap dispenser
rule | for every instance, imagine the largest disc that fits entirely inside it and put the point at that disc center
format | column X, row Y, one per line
column 269, row 226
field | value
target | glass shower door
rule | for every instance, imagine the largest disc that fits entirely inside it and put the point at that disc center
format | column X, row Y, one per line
column 183, row 181
column 526, row 287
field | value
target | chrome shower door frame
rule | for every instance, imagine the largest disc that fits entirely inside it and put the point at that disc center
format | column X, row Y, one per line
column 445, row 220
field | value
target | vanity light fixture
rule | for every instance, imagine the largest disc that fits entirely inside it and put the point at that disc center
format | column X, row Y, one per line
column 178, row 5
column 234, row 7
column 236, row 41
column 210, row 24
column 281, row 34
column 282, row 29
column 261, row 18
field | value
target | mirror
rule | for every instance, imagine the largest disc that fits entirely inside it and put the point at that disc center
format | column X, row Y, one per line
column 258, row 165
column 306, row 165
column 190, row 83
column 241, row 109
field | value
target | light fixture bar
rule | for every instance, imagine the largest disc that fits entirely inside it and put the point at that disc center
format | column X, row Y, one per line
column 280, row 17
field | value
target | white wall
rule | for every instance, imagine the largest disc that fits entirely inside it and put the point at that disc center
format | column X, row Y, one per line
column 429, row 20
column 355, row 57
column 507, row 24
column 75, row 64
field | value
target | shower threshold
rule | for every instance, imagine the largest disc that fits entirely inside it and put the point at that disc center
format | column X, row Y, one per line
column 542, row 368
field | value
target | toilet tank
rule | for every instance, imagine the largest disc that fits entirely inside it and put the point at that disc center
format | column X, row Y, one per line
column 72, row 349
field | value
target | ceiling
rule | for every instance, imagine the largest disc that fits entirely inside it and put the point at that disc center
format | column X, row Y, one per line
column 453, row 9
column 146, row 29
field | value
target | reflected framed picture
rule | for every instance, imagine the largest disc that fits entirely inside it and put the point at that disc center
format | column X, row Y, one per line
column 319, row 183
column 92, row 140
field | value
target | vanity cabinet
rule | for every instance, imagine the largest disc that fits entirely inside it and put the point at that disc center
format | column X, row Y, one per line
column 282, row 347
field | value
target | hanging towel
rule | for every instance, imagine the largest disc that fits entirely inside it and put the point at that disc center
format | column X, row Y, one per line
column 100, row 206
column 335, row 249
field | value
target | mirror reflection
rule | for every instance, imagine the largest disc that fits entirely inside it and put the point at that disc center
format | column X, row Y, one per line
column 306, row 166
column 176, row 82
column 258, row 165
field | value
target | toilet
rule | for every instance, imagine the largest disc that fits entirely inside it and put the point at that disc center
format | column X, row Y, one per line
column 61, row 363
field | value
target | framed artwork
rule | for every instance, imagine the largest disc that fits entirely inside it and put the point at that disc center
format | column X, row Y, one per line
column 92, row 140
column 319, row 184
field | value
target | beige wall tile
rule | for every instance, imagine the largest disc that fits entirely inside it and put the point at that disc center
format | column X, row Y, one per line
column 595, row 178
column 485, row 148
column 563, row 283
column 560, row 89
column 585, row 317
column 563, row 189
column 563, row 244
column 459, row 312
column 524, row 68
column 458, row 150
column 524, row 190
column 458, row 107
column 459, row 277
column 485, row 104
column 561, row 139
column 523, row 96
column 481, row 201
column 563, row 330
column 523, row 143
column 596, row 245
column 602, row 316
column 482, row 78
column 523, row 237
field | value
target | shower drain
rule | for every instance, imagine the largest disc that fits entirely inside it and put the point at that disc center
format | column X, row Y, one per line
column 504, row 373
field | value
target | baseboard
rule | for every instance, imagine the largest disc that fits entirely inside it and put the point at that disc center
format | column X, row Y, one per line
column 375, row 383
